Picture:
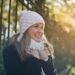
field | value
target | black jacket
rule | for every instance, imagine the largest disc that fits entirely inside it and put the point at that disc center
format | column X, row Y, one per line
column 31, row 66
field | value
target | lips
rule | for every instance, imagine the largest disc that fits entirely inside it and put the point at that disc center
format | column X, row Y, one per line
column 38, row 35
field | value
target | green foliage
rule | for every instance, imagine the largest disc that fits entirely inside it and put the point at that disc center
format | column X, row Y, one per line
column 72, row 72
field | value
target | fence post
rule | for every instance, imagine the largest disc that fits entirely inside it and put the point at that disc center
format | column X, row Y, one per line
column 9, row 20
column 16, row 16
column 1, row 13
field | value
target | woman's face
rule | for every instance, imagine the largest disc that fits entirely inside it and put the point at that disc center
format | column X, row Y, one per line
column 36, row 31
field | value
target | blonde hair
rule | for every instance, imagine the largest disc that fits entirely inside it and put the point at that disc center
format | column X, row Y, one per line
column 49, row 46
column 23, row 45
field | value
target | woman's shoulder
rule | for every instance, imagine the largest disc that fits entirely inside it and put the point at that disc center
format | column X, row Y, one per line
column 9, row 49
column 10, row 53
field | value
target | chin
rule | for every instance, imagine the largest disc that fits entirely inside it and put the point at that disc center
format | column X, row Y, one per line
column 38, row 40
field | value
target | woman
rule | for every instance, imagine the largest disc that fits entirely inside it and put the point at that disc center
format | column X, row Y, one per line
column 29, row 52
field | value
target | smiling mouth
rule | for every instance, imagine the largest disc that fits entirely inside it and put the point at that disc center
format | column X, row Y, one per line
column 39, row 36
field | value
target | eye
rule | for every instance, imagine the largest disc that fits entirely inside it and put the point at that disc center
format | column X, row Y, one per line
column 36, row 26
column 40, row 26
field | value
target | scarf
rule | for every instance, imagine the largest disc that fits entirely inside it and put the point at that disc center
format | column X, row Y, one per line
column 38, row 50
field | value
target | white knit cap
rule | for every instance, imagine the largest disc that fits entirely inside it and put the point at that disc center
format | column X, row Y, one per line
column 27, row 19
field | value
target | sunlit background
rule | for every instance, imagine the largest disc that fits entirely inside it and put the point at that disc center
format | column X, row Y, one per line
column 59, row 16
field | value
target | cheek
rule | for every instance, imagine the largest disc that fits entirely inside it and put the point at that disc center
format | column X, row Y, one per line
column 32, row 32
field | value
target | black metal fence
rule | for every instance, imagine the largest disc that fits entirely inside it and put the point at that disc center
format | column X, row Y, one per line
column 7, row 8
column 2, row 33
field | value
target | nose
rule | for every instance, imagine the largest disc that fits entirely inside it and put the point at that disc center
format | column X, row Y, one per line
column 40, row 31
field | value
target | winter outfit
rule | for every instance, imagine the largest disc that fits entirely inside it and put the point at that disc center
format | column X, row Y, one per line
column 32, row 65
